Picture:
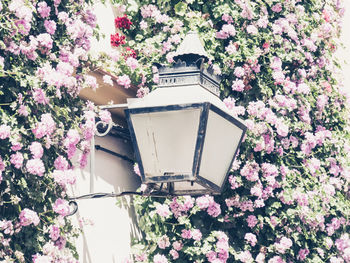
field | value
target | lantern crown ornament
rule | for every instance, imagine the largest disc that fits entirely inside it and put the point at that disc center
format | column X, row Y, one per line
column 184, row 137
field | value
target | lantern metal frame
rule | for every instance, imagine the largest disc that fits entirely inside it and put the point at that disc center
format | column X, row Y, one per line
column 195, row 177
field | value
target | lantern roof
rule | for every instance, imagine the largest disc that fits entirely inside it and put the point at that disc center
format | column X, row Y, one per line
column 191, row 49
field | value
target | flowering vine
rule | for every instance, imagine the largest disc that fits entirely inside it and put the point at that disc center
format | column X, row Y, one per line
column 43, row 124
column 287, row 197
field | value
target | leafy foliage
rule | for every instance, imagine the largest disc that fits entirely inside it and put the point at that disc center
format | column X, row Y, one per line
column 287, row 199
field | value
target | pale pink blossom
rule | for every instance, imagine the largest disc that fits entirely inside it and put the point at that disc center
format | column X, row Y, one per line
column 28, row 217
column 61, row 163
column 252, row 221
column 54, row 232
column 132, row 63
column 105, row 116
column 196, row 234
column 64, row 177
column 174, row 254
column 50, row 26
column 108, row 79
column 158, row 258
column 17, row 159
column 61, row 207
column 163, row 210
column 251, row 29
column 5, row 131
column 177, row 245
column 36, row 167
column 163, row 242
column 124, row 80
column 284, row 244
column 40, row 96
column 238, row 85
column 43, row 9
column 187, row 234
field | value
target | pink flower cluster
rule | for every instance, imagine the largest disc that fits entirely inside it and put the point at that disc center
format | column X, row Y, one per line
column 181, row 205
column 61, row 207
column 207, row 202
column 27, row 217
column 45, row 127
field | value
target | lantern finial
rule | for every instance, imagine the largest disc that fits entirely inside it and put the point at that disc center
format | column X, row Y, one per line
column 191, row 49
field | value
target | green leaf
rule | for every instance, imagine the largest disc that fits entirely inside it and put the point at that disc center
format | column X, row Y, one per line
column 180, row 8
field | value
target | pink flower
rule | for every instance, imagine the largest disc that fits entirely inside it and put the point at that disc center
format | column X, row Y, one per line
column 64, row 177
column 177, row 245
column 160, row 259
column 277, row 8
column 214, row 209
column 252, row 221
column 187, row 234
column 2, row 165
column 284, row 244
column 229, row 29
column 276, row 259
column 45, row 41
column 132, row 63
column 105, row 116
column 238, row 85
column 174, row 254
column 108, row 80
column 211, row 256
column 45, row 127
column 61, row 207
column 245, row 257
column 282, row 128
column 36, row 167
column 251, row 239
column 54, row 232
column 302, row 254
column 196, row 234
column 28, row 217
column 252, row 30
column 17, row 159
column 227, row 18
column 163, row 242
column 124, row 81
column 239, row 72
column 162, row 210
column 91, row 81
column 5, row 131
column 40, row 96
column 36, row 150
column 43, row 9
column 61, row 163
column 203, row 202
column 50, row 26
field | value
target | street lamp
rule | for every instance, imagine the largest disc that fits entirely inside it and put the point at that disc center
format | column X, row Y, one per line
column 184, row 137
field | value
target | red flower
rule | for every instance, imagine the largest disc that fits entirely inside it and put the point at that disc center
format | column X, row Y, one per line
column 117, row 40
column 266, row 45
column 130, row 53
column 123, row 22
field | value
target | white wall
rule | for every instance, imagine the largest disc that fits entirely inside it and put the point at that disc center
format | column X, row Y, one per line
column 108, row 239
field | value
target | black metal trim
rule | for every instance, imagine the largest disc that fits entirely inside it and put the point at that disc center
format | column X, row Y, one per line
column 128, row 112
column 202, row 128
column 124, row 157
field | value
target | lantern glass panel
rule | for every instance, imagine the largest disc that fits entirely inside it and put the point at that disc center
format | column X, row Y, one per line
column 221, row 141
column 166, row 142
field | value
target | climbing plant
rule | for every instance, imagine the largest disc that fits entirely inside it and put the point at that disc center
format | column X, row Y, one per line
column 287, row 197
